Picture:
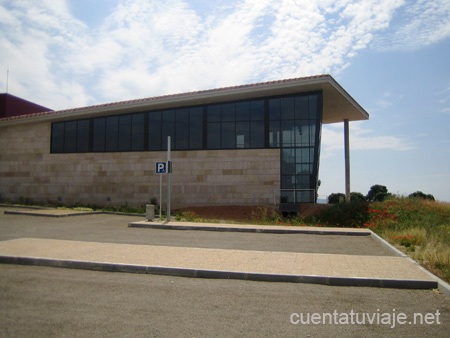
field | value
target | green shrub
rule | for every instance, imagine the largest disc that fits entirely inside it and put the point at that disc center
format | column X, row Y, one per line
column 419, row 194
column 336, row 198
column 353, row 214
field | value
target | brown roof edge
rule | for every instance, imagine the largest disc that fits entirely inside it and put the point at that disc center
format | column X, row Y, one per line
column 202, row 94
column 344, row 93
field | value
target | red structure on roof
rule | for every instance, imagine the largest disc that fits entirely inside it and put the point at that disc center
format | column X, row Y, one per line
column 11, row 106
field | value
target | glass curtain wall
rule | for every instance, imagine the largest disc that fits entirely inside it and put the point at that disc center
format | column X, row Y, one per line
column 291, row 123
column 294, row 127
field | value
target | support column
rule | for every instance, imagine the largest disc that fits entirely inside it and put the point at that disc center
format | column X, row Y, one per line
column 347, row 160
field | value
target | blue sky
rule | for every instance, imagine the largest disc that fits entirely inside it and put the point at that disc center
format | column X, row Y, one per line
column 392, row 56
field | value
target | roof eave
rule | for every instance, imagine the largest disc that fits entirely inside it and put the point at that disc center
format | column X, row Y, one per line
column 338, row 104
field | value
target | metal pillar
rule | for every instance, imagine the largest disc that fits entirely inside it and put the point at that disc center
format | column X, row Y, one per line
column 160, row 197
column 169, row 174
column 347, row 160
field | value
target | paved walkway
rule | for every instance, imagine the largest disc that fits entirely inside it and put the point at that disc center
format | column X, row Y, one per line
column 321, row 268
column 219, row 263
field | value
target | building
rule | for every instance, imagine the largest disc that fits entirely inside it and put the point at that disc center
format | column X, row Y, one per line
column 11, row 106
column 253, row 144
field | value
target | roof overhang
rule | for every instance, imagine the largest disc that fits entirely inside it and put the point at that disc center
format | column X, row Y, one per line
column 338, row 105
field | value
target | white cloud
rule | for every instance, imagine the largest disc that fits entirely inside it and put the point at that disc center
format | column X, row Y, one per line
column 146, row 48
column 417, row 24
column 33, row 45
column 360, row 139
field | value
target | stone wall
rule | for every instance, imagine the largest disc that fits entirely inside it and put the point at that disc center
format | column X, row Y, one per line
column 212, row 177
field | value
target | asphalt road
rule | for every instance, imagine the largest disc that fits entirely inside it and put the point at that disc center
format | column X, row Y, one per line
column 46, row 302
column 50, row 302
column 113, row 229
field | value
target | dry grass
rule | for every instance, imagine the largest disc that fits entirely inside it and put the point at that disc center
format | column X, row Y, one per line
column 420, row 228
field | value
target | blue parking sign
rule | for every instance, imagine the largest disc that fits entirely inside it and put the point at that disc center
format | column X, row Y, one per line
column 161, row 167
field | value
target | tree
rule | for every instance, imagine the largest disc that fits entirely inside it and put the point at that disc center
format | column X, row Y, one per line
column 336, row 198
column 357, row 197
column 419, row 194
column 377, row 193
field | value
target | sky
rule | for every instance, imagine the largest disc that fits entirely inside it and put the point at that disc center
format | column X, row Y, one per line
column 391, row 56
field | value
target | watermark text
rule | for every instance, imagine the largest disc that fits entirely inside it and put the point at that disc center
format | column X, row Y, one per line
column 392, row 318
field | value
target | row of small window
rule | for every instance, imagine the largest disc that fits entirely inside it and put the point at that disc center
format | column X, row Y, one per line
column 115, row 133
column 218, row 126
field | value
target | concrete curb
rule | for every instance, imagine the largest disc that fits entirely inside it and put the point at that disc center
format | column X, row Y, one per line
column 70, row 213
column 341, row 231
column 40, row 214
column 217, row 274
column 443, row 286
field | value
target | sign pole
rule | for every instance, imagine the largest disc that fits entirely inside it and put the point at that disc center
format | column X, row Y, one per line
column 160, row 198
column 161, row 168
column 169, row 173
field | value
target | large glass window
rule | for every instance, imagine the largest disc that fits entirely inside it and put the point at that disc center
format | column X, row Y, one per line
column 213, row 117
column 243, row 111
column 83, row 136
column 70, row 137
column 124, row 133
column 274, row 134
column 292, row 127
column 196, row 128
column 228, row 135
column 57, row 143
column 257, row 134
column 274, row 110
column 154, row 131
column 99, row 134
column 213, row 136
column 243, row 134
column 182, row 129
column 137, row 132
column 112, row 133
column 168, row 127
column 239, row 125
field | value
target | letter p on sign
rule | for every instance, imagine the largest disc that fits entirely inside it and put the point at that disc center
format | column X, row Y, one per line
column 161, row 167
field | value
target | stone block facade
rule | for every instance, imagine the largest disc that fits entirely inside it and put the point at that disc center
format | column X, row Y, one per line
column 206, row 177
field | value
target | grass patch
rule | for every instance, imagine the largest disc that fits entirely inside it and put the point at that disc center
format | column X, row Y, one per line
column 187, row 216
column 266, row 216
column 420, row 228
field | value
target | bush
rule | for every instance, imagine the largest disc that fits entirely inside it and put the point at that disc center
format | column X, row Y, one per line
column 419, row 194
column 336, row 198
column 357, row 196
column 377, row 193
column 353, row 214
